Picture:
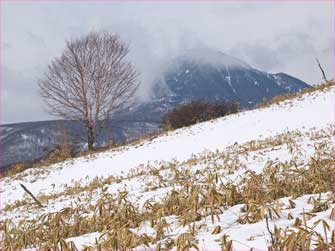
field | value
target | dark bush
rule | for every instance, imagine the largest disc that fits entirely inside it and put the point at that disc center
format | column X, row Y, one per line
column 196, row 112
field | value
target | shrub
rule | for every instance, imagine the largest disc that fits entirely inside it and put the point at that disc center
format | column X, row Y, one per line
column 195, row 112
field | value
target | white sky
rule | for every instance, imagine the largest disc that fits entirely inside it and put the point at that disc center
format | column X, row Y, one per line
column 274, row 37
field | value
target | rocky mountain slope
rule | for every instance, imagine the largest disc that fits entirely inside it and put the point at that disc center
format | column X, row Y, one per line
column 213, row 76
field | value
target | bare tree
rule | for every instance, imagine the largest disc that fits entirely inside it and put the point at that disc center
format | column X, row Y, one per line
column 90, row 81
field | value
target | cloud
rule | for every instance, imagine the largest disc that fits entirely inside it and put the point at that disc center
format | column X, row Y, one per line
column 275, row 37
column 293, row 53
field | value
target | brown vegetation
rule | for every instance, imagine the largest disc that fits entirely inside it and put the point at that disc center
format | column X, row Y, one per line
column 195, row 112
column 197, row 195
column 290, row 96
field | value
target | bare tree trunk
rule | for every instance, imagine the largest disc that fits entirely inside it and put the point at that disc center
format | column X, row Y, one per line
column 90, row 138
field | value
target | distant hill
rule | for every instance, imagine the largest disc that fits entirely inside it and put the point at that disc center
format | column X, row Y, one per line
column 34, row 140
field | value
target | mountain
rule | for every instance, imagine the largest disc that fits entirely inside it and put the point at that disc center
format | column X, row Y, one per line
column 224, row 184
column 202, row 74
column 213, row 76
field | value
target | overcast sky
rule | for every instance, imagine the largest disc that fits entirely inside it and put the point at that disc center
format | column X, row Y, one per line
column 274, row 37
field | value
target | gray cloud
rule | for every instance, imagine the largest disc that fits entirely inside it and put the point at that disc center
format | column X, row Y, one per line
column 275, row 37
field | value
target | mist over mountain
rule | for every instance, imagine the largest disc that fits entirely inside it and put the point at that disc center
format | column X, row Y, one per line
column 202, row 74
column 213, row 76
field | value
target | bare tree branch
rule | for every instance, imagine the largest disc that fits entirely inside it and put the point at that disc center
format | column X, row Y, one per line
column 31, row 195
column 90, row 81
column 322, row 71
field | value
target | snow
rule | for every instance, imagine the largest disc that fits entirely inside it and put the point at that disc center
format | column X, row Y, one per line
column 85, row 240
column 313, row 111
column 229, row 80
column 24, row 136
column 183, row 143
column 244, row 236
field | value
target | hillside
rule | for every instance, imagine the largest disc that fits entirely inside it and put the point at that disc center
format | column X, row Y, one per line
column 224, row 183
column 201, row 74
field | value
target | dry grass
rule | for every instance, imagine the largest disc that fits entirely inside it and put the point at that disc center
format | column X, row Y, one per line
column 62, row 154
column 290, row 96
column 194, row 195
column 58, row 155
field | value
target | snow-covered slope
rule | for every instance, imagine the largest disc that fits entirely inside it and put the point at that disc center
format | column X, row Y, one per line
column 299, row 120
column 313, row 110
